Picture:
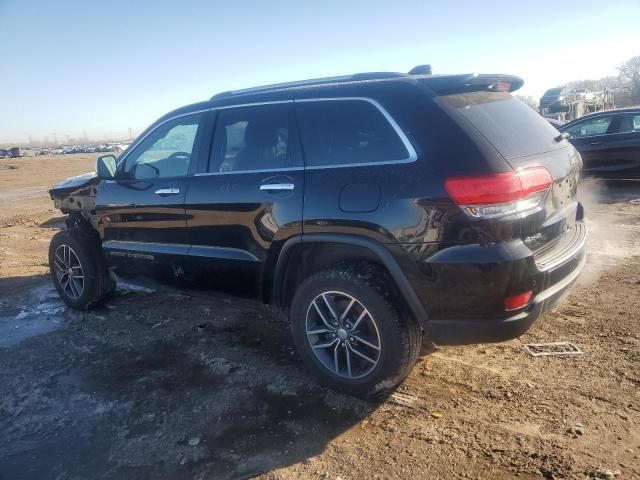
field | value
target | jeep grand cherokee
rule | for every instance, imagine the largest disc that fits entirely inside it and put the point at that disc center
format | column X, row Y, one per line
column 372, row 209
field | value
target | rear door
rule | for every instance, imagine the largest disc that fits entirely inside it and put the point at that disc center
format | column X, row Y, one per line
column 247, row 200
column 623, row 152
column 142, row 212
column 352, row 148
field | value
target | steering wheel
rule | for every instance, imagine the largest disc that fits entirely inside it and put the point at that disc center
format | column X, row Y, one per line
column 138, row 166
column 177, row 155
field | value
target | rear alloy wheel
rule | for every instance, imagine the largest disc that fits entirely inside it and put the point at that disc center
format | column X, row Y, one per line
column 343, row 334
column 348, row 331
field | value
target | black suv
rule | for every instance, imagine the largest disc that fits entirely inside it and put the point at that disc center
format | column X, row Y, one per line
column 370, row 209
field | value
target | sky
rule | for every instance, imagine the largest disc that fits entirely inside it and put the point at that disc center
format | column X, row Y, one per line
column 71, row 67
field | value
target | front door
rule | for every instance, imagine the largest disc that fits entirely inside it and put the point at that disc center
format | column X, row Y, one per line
column 247, row 199
column 142, row 212
column 592, row 138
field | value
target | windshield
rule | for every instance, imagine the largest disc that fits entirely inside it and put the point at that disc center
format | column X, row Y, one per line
column 553, row 92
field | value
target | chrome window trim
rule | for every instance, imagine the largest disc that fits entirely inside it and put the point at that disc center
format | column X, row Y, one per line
column 265, row 170
column 255, row 104
column 604, row 113
column 413, row 155
column 604, row 135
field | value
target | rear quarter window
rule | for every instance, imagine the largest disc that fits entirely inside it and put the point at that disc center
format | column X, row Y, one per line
column 341, row 132
column 513, row 128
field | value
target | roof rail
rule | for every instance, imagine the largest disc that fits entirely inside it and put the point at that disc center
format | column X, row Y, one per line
column 305, row 83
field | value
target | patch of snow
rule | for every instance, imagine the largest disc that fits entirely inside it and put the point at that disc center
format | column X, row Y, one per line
column 132, row 287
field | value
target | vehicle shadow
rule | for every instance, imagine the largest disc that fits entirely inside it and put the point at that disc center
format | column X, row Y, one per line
column 160, row 384
column 54, row 222
column 13, row 286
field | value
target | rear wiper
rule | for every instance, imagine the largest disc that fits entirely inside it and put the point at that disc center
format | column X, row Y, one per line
column 562, row 136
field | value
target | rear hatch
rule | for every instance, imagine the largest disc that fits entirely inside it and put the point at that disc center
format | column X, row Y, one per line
column 525, row 141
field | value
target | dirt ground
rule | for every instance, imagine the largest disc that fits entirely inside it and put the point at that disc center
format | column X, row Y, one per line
column 167, row 384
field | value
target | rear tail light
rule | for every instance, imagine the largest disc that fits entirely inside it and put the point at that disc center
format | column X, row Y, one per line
column 514, row 302
column 502, row 194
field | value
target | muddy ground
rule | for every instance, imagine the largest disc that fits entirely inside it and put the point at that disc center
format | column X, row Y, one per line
column 167, row 384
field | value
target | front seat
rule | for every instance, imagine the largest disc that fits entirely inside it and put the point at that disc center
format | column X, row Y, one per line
column 260, row 141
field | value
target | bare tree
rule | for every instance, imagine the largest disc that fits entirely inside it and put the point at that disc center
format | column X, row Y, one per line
column 610, row 82
column 630, row 71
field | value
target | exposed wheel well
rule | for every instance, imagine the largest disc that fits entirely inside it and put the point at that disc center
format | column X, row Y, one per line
column 305, row 259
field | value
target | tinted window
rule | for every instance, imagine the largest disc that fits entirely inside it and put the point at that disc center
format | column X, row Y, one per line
column 513, row 128
column 166, row 152
column 252, row 138
column 590, row 127
column 337, row 132
column 629, row 123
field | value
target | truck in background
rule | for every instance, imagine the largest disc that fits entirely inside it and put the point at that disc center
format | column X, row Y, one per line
column 566, row 104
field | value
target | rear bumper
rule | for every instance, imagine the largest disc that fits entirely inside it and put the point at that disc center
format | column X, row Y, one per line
column 463, row 287
column 461, row 332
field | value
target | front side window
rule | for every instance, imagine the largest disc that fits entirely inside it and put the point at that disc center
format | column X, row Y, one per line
column 590, row 127
column 252, row 138
column 339, row 132
column 166, row 152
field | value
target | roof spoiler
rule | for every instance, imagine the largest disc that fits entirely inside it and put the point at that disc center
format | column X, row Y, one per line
column 471, row 82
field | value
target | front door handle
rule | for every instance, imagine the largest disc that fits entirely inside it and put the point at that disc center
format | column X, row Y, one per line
column 275, row 187
column 167, row 191
column 595, row 143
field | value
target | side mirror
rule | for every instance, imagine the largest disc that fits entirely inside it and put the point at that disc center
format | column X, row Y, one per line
column 106, row 167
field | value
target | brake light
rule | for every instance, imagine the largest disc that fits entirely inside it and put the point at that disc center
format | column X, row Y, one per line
column 501, row 86
column 502, row 194
column 514, row 302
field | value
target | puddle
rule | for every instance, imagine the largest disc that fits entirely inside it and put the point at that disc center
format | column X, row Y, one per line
column 40, row 311
column 125, row 287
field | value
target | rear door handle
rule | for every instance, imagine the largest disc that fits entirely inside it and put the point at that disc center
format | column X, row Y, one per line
column 167, row 191
column 274, row 187
column 595, row 143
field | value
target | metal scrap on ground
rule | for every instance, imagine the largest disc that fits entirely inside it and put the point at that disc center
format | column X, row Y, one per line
column 552, row 348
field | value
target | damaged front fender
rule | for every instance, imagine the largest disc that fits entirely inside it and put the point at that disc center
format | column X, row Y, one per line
column 76, row 197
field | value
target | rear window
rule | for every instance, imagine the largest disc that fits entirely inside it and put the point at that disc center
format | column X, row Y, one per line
column 513, row 128
column 339, row 132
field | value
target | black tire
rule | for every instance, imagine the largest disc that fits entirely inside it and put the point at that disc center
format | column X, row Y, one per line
column 96, row 285
column 400, row 336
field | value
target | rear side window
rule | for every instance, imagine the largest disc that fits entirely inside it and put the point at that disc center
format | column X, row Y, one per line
column 340, row 132
column 629, row 123
column 252, row 138
column 513, row 128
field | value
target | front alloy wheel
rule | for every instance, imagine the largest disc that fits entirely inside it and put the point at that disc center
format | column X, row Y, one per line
column 68, row 270
column 78, row 268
